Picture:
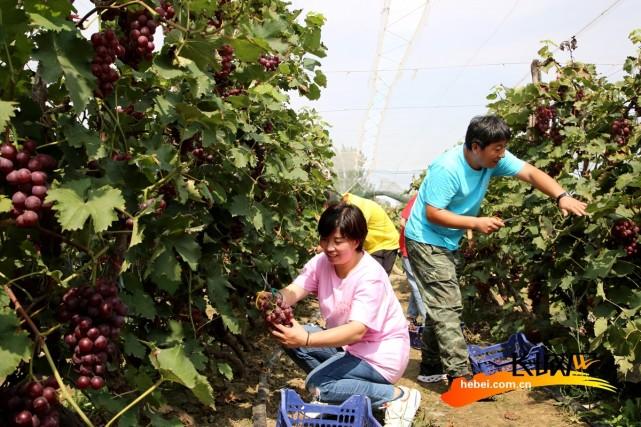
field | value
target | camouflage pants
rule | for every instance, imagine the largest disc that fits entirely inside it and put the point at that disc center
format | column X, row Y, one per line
column 444, row 349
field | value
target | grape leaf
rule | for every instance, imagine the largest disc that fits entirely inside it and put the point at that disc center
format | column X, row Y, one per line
column 189, row 250
column 240, row 206
column 137, row 233
column 60, row 53
column 76, row 201
column 164, row 69
column 267, row 89
column 15, row 345
column 165, row 271
column 174, row 365
column 7, row 110
column 601, row 266
column 138, row 301
column 77, row 136
column 5, row 204
column 600, row 326
column 246, row 50
column 158, row 421
column 50, row 15
column 132, row 346
column 217, row 287
column 226, row 370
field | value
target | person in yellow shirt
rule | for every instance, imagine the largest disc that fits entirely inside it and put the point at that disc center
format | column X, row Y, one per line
column 382, row 237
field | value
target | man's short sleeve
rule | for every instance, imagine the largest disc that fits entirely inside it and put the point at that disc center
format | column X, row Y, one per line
column 439, row 187
column 509, row 165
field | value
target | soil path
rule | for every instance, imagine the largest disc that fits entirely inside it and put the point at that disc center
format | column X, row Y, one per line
column 518, row 408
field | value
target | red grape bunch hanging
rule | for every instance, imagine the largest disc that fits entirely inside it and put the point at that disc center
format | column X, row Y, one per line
column 32, row 404
column 275, row 310
column 138, row 28
column 625, row 233
column 544, row 118
column 621, row 131
column 25, row 172
column 227, row 63
column 96, row 315
column 106, row 49
column 269, row 62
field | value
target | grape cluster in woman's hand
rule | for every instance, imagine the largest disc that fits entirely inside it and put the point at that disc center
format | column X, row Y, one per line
column 275, row 310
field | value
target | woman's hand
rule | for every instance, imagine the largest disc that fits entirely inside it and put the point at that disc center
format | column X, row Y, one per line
column 290, row 336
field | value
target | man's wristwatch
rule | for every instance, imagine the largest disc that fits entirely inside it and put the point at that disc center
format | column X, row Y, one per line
column 560, row 196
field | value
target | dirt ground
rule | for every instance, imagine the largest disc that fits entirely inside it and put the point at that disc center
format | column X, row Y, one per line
column 518, row 408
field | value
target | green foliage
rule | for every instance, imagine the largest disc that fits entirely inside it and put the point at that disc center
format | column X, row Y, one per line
column 16, row 346
column 191, row 195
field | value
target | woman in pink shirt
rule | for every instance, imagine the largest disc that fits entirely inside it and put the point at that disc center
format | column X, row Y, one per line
column 365, row 346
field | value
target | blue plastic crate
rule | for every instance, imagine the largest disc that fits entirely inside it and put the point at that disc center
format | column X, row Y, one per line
column 498, row 357
column 354, row 412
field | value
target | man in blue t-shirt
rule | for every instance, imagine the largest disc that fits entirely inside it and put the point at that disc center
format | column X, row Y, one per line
column 447, row 204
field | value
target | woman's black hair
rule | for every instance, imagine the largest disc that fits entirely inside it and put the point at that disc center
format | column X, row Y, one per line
column 484, row 130
column 347, row 218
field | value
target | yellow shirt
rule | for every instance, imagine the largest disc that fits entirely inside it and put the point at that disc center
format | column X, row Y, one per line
column 381, row 232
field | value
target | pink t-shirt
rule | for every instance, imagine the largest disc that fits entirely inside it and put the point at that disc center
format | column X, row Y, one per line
column 366, row 296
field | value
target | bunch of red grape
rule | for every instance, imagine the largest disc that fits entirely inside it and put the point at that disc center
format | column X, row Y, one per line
column 120, row 157
column 106, row 49
column 625, row 233
column 139, row 28
column 236, row 228
column 158, row 203
column 32, row 404
column 217, row 20
column 468, row 252
column 96, row 315
column 621, row 131
column 556, row 136
column 269, row 62
column 129, row 110
column 196, row 149
column 232, row 91
column 544, row 118
column 25, row 172
column 201, row 155
column 227, row 63
column 166, row 10
column 275, row 310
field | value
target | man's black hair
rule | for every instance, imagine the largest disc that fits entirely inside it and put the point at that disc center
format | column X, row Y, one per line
column 345, row 217
column 484, row 130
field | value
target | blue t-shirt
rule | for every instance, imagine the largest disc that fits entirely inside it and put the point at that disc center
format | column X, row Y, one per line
column 452, row 184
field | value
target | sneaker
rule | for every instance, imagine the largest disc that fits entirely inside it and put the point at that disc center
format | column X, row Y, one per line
column 400, row 412
column 429, row 379
column 431, row 375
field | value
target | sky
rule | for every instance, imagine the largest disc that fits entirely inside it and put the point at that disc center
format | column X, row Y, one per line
column 406, row 76
column 451, row 53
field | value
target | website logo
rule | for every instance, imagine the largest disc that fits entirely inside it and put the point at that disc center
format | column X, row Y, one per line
column 568, row 369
